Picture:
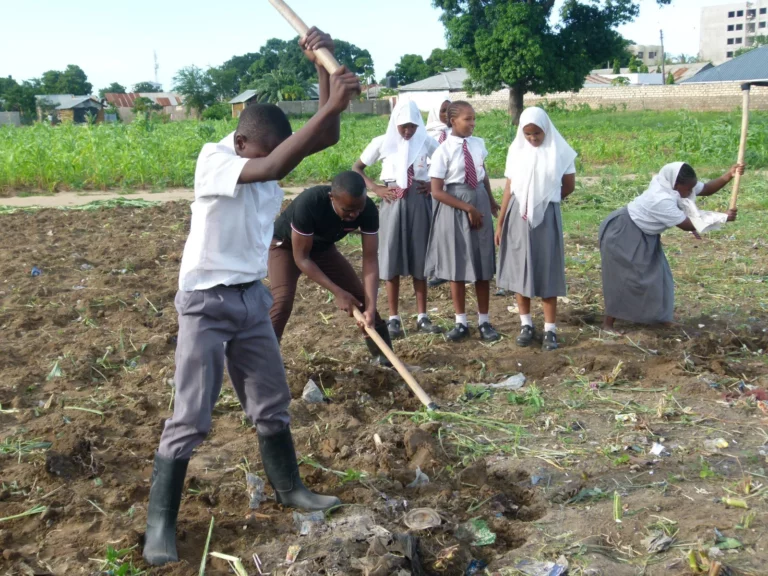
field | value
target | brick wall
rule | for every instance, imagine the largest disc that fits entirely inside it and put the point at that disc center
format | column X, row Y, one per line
column 723, row 96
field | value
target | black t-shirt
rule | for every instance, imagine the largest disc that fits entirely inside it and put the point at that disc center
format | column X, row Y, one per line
column 311, row 214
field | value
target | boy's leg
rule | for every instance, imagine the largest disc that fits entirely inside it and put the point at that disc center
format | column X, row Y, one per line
column 256, row 369
column 199, row 372
column 340, row 272
column 283, row 276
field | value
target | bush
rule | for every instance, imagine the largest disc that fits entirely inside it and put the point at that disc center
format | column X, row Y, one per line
column 218, row 111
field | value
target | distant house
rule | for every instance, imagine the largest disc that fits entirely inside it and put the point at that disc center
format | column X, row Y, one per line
column 68, row 108
column 171, row 103
column 241, row 101
column 752, row 65
column 245, row 99
column 681, row 72
column 435, row 89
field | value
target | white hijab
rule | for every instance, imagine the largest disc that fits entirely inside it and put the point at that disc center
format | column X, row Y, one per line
column 434, row 124
column 664, row 182
column 403, row 152
column 537, row 173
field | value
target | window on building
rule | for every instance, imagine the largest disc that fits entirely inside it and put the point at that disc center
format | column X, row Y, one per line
column 738, row 40
column 762, row 25
column 730, row 40
column 731, row 14
column 651, row 55
column 729, row 54
column 739, row 13
column 763, row 10
column 751, row 13
column 739, row 26
column 730, row 27
column 639, row 55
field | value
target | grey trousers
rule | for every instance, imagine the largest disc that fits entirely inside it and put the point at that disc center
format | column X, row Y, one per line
column 215, row 324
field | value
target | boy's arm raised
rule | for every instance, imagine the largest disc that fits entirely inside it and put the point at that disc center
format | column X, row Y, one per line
column 343, row 86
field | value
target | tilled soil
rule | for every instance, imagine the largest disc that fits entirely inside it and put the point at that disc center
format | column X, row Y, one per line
column 86, row 381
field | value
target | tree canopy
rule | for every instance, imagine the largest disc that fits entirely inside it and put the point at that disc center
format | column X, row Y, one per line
column 194, row 84
column 515, row 43
column 147, row 87
column 412, row 67
column 113, row 88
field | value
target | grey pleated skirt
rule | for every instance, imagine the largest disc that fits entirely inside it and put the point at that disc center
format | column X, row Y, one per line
column 637, row 281
column 403, row 235
column 456, row 252
column 532, row 261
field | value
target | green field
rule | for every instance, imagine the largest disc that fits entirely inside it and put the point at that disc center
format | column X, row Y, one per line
column 156, row 156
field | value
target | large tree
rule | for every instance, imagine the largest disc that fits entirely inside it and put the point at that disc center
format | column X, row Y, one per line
column 113, row 88
column 195, row 85
column 145, row 87
column 515, row 43
column 411, row 68
column 281, row 85
column 443, row 60
column 20, row 97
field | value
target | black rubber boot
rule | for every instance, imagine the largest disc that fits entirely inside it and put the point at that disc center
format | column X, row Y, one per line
column 164, row 498
column 377, row 355
column 282, row 469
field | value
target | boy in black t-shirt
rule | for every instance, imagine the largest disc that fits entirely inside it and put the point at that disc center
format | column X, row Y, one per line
column 305, row 242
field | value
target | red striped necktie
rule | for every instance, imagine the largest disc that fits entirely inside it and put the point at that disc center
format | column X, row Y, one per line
column 470, row 174
column 400, row 192
column 442, row 137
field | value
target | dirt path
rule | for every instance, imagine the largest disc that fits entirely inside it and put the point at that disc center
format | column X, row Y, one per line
column 65, row 199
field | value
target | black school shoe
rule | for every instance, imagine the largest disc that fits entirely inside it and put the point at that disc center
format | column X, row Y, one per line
column 395, row 329
column 458, row 333
column 526, row 337
column 488, row 333
column 425, row 325
column 378, row 358
column 550, row 342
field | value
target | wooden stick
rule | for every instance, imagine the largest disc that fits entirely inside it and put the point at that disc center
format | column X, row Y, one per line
column 324, row 56
column 396, row 362
column 742, row 143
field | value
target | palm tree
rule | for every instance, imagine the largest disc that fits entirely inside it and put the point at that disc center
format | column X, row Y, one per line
column 277, row 86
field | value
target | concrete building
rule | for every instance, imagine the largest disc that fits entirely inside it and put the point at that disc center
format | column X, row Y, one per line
column 727, row 27
column 650, row 55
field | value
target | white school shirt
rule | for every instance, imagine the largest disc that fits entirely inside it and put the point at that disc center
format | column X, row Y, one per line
column 372, row 154
column 232, row 223
column 435, row 132
column 448, row 159
column 654, row 212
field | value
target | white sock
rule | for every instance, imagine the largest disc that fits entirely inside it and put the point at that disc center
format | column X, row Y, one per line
column 421, row 317
column 550, row 327
column 394, row 318
column 461, row 319
column 482, row 319
column 526, row 320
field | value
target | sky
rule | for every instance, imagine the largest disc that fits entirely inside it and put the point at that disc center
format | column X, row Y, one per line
column 114, row 41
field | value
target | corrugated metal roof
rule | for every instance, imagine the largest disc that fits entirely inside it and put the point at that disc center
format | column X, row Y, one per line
column 752, row 65
column 127, row 100
column 67, row 101
column 452, row 81
column 595, row 80
column 244, row 97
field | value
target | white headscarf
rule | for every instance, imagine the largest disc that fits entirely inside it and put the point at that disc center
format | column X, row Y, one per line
column 536, row 173
column 664, row 182
column 403, row 152
column 434, row 124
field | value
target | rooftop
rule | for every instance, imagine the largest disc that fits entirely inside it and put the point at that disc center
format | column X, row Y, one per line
column 752, row 65
column 452, row 81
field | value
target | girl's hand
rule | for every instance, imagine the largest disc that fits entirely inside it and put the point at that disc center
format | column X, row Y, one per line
column 696, row 235
column 384, row 193
column 732, row 215
column 497, row 235
column 736, row 168
column 475, row 218
column 495, row 208
column 423, row 187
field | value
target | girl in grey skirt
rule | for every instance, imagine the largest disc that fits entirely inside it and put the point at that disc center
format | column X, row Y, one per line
column 540, row 173
column 406, row 211
column 637, row 281
column 461, row 241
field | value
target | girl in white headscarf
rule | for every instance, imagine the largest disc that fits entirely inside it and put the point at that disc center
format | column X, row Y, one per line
column 637, row 280
column 540, row 173
column 406, row 211
column 437, row 121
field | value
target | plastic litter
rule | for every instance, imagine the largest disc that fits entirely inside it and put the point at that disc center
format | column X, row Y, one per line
column 715, row 444
column 476, row 532
column 292, row 554
column 255, row 490
column 422, row 519
column 475, row 568
column 657, row 449
column 36, row 271
column 512, row 383
column 312, row 394
column 532, row 568
column 420, row 480
column 308, row 523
